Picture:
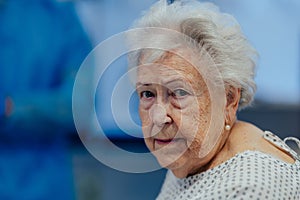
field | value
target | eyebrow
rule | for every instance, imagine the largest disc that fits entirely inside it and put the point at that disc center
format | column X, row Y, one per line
column 143, row 84
column 164, row 83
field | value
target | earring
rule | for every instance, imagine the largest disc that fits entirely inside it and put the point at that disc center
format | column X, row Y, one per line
column 227, row 127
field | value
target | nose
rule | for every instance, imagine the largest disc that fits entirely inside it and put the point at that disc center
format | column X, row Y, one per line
column 159, row 115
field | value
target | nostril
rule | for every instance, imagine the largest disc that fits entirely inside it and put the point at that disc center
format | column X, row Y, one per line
column 168, row 119
column 158, row 115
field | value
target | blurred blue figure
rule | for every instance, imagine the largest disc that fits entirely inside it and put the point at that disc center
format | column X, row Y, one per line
column 42, row 47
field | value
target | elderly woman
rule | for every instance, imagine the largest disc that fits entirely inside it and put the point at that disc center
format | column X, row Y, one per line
column 190, row 90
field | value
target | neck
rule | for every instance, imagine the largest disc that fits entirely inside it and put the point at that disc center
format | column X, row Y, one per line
column 222, row 154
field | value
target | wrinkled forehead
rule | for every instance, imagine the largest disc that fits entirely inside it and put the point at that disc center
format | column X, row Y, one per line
column 168, row 67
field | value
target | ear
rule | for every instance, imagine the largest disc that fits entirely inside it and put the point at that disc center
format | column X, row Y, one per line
column 233, row 96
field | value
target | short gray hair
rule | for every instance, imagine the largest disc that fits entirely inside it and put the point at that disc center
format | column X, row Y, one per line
column 219, row 34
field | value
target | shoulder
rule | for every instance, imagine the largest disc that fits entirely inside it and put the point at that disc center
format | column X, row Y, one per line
column 252, row 175
column 255, row 174
column 248, row 175
column 246, row 136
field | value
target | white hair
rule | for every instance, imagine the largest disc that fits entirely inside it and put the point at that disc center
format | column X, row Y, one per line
column 217, row 33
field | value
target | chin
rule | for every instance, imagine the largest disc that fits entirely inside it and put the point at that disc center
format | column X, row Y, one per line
column 168, row 163
column 177, row 165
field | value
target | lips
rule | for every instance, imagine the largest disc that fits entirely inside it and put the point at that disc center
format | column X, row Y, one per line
column 166, row 141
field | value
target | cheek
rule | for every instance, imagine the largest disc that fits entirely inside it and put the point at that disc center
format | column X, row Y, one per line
column 144, row 116
column 146, row 122
column 146, row 128
column 195, row 121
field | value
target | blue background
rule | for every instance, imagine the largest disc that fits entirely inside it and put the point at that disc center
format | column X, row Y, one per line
column 42, row 45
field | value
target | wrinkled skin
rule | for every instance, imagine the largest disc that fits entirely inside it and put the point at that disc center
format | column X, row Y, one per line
column 175, row 111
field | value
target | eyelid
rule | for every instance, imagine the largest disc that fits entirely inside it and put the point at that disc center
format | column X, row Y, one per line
column 143, row 92
column 146, row 102
column 182, row 89
column 141, row 89
column 180, row 85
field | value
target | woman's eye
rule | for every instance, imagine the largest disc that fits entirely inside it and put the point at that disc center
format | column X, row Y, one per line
column 146, row 94
column 179, row 93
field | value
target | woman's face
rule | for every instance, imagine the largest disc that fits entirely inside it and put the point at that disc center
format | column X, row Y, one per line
column 175, row 111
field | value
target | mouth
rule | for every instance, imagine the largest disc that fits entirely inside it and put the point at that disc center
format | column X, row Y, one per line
column 166, row 141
